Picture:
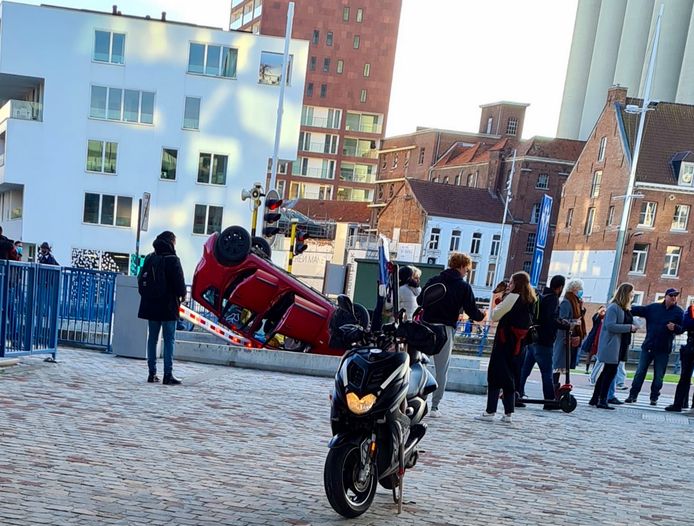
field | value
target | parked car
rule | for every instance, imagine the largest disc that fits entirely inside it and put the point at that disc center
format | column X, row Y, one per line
column 238, row 283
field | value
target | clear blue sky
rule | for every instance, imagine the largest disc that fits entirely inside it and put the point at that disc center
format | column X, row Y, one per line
column 453, row 55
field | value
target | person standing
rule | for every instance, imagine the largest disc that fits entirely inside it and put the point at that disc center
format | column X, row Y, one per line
column 514, row 317
column 541, row 352
column 162, row 288
column 45, row 256
column 663, row 322
column 571, row 308
column 589, row 347
column 687, row 364
column 615, row 335
column 459, row 296
column 409, row 289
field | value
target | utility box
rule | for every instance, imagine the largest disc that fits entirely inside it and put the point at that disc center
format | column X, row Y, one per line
column 129, row 331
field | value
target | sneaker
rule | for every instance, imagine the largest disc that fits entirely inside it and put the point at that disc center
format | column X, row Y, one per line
column 485, row 417
column 630, row 400
column 654, row 402
column 506, row 419
column 615, row 401
column 152, row 378
column 170, row 379
column 435, row 413
column 622, row 387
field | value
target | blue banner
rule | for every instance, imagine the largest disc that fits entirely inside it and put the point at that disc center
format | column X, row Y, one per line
column 541, row 237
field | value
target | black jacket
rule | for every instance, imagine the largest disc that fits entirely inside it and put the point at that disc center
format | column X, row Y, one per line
column 165, row 309
column 548, row 318
column 458, row 297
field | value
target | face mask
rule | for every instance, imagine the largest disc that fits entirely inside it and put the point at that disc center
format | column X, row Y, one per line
column 579, row 294
column 19, row 250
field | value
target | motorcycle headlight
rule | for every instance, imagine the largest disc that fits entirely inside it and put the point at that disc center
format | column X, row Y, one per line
column 359, row 406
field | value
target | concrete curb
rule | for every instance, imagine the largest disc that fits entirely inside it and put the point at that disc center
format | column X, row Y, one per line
column 464, row 375
column 8, row 362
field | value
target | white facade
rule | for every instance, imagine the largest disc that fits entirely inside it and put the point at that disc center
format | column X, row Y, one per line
column 47, row 55
column 480, row 240
column 594, row 267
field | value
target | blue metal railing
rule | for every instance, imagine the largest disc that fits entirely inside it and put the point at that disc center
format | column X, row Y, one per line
column 87, row 299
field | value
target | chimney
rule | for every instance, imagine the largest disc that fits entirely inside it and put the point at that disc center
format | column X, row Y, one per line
column 163, row 16
column 114, row 9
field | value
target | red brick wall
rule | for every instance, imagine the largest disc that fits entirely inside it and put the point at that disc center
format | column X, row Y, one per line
column 403, row 212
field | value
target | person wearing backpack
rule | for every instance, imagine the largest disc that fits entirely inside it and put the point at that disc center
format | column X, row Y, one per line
column 162, row 289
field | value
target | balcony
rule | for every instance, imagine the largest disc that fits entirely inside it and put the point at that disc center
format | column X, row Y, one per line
column 315, row 173
column 363, row 123
column 315, row 147
column 21, row 109
column 319, row 122
column 356, row 176
column 370, row 153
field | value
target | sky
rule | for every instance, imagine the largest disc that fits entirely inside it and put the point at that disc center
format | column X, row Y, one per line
column 452, row 55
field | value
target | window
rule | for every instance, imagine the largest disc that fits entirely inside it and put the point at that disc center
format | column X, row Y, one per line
column 312, row 64
column 535, row 214
column 472, row 180
column 681, row 218
column 590, row 218
column 356, row 42
column 476, row 243
column 109, row 47
column 316, row 36
column 455, row 240
column 107, row 210
column 639, row 256
column 270, row 71
column 434, row 238
column 472, row 274
column 511, row 126
column 395, row 160
column 638, row 298
column 169, row 157
column 647, row 215
column 421, row 155
column 491, row 273
column 445, row 180
column 345, row 14
column 367, row 70
column 496, row 245
column 330, row 144
column 207, row 219
column 542, row 181
column 329, row 38
column 212, row 60
column 530, row 243
column 191, row 114
column 362, row 96
column 323, row 90
column 122, row 105
column 610, row 215
column 601, row 149
column 309, row 89
column 490, row 121
column 569, row 217
column 672, row 261
column 101, row 156
column 686, row 174
column 595, row 186
column 212, row 169
column 340, row 66
column 360, row 15
column 326, row 65
column 457, row 180
column 527, row 266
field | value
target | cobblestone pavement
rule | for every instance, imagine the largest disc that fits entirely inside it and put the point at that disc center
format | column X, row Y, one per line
column 87, row 441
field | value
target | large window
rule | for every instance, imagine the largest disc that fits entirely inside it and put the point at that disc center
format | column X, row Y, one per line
column 212, row 169
column 367, row 70
column 535, row 214
column 610, row 216
column 672, row 261
column 111, row 210
column 421, row 156
column 207, row 219
column 496, row 245
column 647, row 215
column 530, row 243
column 601, row 149
column 360, row 15
column 434, row 238
column 326, row 65
column 109, row 47
column 512, row 126
column 356, row 42
column 595, row 186
column 101, row 156
column 169, row 158
column 491, row 274
column 639, row 257
column 569, row 217
column 472, row 274
column 212, row 60
column 476, row 243
column 455, row 240
column 542, row 181
column 329, row 38
column 681, row 218
column 270, row 71
column 191, row 114
column 590, row 219
column 122, row 105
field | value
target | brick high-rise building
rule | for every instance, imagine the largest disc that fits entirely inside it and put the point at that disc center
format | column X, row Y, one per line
column 348, row 81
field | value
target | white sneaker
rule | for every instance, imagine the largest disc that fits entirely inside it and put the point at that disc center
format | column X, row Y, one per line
column 506, row 419
column 622, row 388
column 485, row 417
column 435, row 413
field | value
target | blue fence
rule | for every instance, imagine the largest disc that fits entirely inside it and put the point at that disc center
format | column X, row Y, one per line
column 29, row 299
column 87, row 299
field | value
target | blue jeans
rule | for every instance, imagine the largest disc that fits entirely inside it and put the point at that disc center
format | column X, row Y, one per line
column 168, row 329
column 659, row 360
column 542, row 355
column 619, row 379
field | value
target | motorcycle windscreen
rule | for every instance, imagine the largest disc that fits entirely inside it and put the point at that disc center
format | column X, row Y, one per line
column 303, row 320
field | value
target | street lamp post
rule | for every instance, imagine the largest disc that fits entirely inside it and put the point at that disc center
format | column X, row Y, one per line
column 645, row 107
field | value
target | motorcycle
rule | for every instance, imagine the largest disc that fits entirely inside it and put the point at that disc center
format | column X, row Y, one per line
column 378, row 402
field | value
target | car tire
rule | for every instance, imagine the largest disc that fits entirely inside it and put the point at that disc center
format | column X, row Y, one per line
column 232, row 245
column 261, row 244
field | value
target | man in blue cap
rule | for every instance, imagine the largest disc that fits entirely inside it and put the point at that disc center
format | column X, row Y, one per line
column 663, row 322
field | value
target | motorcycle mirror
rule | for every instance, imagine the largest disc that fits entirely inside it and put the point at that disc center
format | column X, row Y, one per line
column 433, row 293
column 362, row 315
column 345, row 303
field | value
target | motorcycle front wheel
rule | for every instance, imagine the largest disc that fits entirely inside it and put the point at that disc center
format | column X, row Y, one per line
column 347, row 495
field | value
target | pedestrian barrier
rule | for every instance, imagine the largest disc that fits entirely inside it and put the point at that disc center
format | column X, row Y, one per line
column 29, row 296
column 86, row 308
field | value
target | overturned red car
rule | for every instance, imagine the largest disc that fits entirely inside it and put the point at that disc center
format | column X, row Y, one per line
column 237, row 282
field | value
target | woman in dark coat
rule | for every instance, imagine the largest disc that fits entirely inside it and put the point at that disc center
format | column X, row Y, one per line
column 514, row 317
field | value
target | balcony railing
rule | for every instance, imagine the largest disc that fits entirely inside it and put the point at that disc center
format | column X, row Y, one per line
column 316, row 173
column 315, row 147
column 364, row 154
column 355, row 177
column 365, row 127
column 21, row 109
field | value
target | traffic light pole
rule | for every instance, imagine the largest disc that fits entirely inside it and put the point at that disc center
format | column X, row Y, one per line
column 254, row 217
column 292, row 238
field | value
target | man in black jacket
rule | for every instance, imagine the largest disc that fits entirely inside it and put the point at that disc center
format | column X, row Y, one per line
column 162, row 289
column 459, row 296
column 541, row 352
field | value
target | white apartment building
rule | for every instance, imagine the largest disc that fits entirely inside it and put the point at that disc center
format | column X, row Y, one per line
column 98, row 108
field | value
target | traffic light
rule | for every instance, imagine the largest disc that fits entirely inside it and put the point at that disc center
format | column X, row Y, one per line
column 300, row 242
column 271, row 213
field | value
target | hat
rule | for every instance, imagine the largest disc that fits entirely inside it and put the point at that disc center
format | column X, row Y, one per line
column 672, row 292
column 45, row 245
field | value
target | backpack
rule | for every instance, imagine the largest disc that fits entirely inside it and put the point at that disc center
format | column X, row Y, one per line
column 533, row 335
column 151, row 282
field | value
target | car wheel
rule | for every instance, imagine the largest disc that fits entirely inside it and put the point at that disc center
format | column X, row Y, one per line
column 232, row 245
column 262, row 246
